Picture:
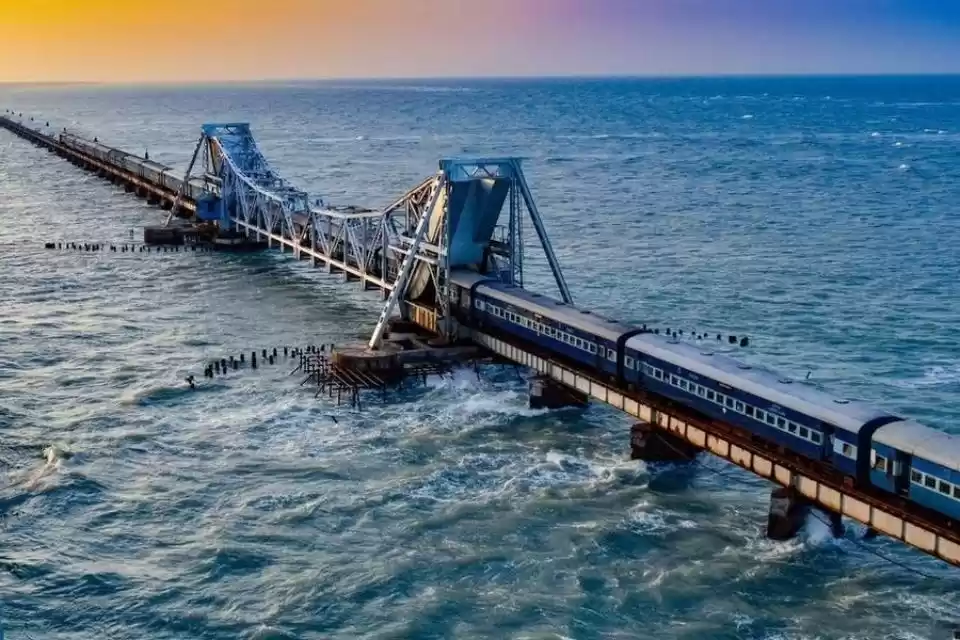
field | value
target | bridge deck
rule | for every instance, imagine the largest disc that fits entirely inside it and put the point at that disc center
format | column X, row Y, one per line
column 369, row 246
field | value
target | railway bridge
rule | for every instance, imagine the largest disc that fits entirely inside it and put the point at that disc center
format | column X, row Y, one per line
column 432, row 251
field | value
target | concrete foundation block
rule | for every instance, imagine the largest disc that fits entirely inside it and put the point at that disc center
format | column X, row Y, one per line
column 546, row 393
column 653, row 444
column 788, row 510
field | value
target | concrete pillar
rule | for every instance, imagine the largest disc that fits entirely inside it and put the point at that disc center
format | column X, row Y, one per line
column 787, row 513
column 836, row 524
column 653, row 444
column 546, row 393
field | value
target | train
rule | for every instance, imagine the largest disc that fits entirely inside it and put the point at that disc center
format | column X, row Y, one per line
column 144, row 168
column 871, row 446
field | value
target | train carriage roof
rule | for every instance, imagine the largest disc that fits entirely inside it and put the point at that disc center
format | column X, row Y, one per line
column 922, row 442
column 556, row 310
column 803, row 398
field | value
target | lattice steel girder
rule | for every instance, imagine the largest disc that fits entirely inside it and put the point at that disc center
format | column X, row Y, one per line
column 372, row 244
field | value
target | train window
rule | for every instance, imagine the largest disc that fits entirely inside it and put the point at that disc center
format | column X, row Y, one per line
column 749, row 411
column 847, row 450
column 880, row 464
column 929, row 481
column 816, row 437
column 956, row 492
column 478, row 304
column 701, row 391
column 916, row 476
column 804, row 432
column 629, row 362
column 612, row 355
column 739, row 406
column 781, row 423
column 944, row 487
column 761, row 415
column 792, row 427
column 728, row 401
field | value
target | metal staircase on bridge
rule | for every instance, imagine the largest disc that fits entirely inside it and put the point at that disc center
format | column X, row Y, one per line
column 406, row 249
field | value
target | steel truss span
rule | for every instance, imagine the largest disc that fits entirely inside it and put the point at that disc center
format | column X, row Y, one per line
column 406, row 249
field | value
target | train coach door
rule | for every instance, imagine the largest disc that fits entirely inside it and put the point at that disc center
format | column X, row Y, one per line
column 902, row 465
column 827, row 441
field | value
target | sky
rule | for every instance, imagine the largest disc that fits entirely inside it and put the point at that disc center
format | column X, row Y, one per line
column 246, row 40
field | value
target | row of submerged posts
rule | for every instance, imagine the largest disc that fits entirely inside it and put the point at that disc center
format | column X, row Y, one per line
column 676, row 334
column 267, row 356
column 318, row 363
column 130, row 247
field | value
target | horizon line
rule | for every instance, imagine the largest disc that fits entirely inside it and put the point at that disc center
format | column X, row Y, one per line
column 482, row 77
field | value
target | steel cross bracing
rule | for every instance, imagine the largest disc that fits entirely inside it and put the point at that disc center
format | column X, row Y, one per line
column 433, row 244
column 402, row 249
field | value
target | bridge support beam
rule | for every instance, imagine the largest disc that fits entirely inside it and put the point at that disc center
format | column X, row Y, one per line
column 788, row 510
column 546, row 393
column 652, row 444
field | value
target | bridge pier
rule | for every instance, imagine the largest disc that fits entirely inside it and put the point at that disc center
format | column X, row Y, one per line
column 788, row 510
column 652, row 444
column 546, row 393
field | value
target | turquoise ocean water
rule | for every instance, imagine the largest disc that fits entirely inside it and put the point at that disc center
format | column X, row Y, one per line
column 817, row 216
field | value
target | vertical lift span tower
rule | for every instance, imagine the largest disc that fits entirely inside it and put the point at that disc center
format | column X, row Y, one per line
column 457, row 229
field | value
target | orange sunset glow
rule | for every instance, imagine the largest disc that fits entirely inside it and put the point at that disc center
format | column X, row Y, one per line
column 209, row 40
column 120, row 40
